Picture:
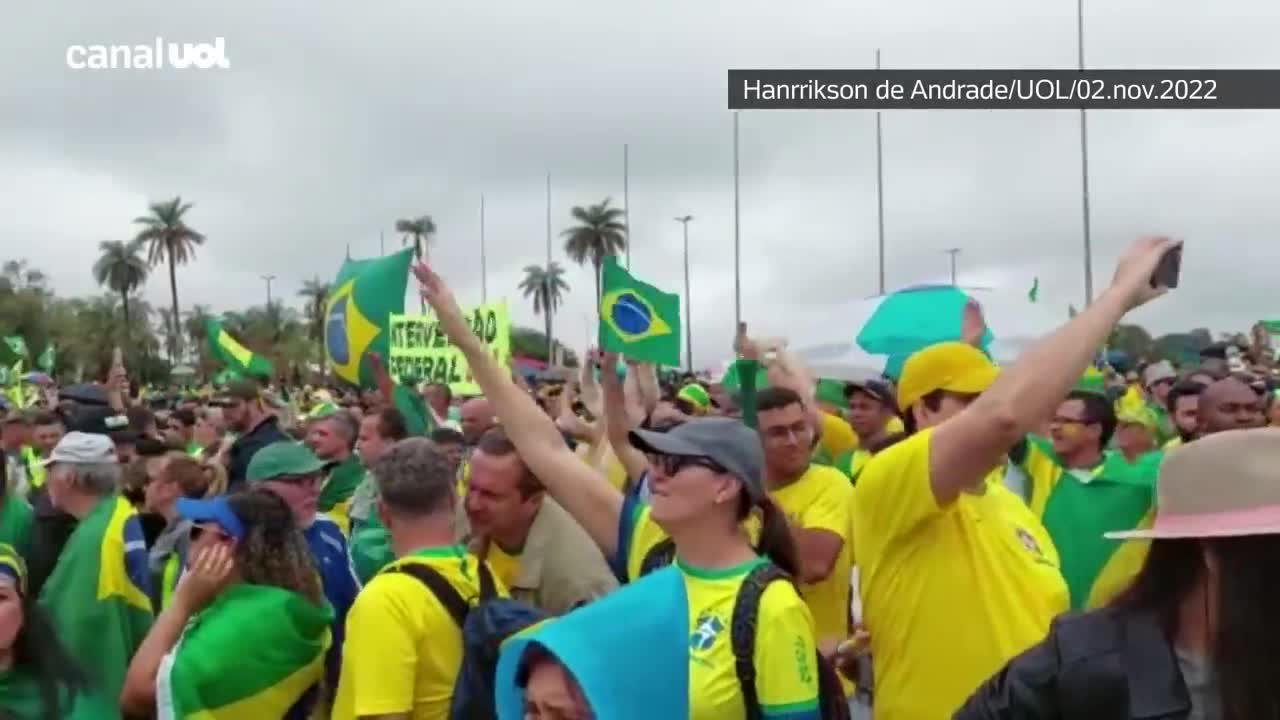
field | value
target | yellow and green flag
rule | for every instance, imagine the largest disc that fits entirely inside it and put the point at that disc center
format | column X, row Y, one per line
column 638, row 320
column 366, row 293
column 97, row 596
column 213, row 674
column 234, row 356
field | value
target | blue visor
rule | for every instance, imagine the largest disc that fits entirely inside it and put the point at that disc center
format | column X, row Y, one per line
column 216, row 510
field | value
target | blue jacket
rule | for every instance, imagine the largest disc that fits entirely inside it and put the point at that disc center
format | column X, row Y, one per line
column 333, row 559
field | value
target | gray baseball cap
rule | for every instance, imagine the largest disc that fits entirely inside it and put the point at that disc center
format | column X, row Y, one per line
column 724, row 441
column 84, row 448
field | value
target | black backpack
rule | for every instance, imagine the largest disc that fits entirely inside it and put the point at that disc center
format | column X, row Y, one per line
column 831, row 699
column 485, row 627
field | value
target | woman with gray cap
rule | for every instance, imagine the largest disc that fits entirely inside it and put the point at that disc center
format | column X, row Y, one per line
column 695, row 617
column 1195, row 636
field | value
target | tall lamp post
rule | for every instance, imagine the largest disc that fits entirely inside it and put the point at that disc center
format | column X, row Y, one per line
column 688, row 310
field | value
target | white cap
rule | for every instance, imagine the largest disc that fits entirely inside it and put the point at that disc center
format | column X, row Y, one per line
column 83, row 448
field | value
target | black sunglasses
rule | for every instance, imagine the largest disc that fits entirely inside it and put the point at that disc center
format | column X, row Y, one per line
column 672, row 464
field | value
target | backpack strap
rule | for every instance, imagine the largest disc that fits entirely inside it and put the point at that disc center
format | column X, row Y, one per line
column 445, row 592
column 488, row 589
column 742, row 634
column 658, row 557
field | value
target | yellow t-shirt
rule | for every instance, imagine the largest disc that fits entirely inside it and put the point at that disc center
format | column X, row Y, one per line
column 785, row 654
column 822, row 499
column 403, row 650
column 505, row 567
column 837, row 436
column 949, row 594
column 639, row 534
column 608, row 463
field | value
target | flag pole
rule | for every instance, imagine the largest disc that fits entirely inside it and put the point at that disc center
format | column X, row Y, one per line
column 626, row 202
column 484, row 279
column 382, row 243
column 551, row 345
column 737, row 237
column 1084, row 165
column 880, row 187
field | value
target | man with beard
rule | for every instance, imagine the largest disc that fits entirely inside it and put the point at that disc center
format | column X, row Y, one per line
column 1184, row 407
column 246, row 415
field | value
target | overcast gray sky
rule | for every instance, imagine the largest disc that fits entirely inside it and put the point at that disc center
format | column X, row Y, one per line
column 334, row 121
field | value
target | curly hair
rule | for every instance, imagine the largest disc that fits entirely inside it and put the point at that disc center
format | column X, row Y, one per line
column 274, row 551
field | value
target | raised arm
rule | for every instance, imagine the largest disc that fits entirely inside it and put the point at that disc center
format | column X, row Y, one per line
column 632, row 395
column 589, row 390
column 581, row 490
column 966, row 447
column 647, row 383
column 618, row 424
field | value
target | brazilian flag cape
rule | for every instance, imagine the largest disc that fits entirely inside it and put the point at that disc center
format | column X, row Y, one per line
column 20, row 698
column 215, row 672
column 341, row 484
column 97, row 595
column 1078, row 505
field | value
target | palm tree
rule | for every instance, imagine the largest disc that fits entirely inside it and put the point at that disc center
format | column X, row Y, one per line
column 547, row 287
column 170, row 238
column 122, row 270
column 196, row 329
column 421, row 231
column 600, row 234
column 316, row 291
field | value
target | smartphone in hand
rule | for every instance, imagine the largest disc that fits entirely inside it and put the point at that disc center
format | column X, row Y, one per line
column 1167, row 272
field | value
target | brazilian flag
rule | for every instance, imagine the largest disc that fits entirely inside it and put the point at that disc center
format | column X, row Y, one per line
column 638, row 320
column 365, row 293
column 213, row 673
column 235, row 356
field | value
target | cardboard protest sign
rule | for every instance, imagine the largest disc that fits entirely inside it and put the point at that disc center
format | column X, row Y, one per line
column 419, row 352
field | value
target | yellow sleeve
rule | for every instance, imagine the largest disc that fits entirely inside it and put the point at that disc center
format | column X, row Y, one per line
column 1042, row 472
column 838, row 436
column 380, row 652
column 894, row 496
column 786, row 656
column 638, row 535
column 831, row 507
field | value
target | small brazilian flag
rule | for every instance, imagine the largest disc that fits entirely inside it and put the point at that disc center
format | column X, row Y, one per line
column 235, row 356
column 638, row 320
column 365, row 293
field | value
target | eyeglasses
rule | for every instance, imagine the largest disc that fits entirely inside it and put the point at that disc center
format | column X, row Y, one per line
column 198, row 530
column 672, row 464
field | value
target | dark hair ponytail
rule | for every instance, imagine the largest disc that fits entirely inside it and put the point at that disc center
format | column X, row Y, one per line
column 39, row 651
column 775, row 534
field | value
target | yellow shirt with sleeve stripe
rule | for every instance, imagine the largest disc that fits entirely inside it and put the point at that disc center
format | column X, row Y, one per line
column 822, row 499
column 403, row 650
column 785, row 651
column 949, row 594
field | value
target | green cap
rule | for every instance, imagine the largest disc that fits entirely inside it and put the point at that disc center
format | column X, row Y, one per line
column 1092, row 381
column 696, row 395
column 284, row 458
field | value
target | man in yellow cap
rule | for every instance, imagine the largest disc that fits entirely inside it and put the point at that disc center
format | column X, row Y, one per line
column 957, row 574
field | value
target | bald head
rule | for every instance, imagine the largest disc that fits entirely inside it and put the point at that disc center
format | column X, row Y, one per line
column 477, row 418
column 1229, row 404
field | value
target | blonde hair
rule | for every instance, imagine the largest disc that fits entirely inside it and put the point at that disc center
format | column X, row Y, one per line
column 196, row 479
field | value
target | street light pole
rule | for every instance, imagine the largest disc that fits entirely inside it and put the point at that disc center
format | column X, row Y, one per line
column 1084, row 166
column 688, row 311
column 268, row 278
column 953, row 252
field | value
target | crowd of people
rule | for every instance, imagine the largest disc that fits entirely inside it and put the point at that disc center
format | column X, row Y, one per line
column 1048, row 539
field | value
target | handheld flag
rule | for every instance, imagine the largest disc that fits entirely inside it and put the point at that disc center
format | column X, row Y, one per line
column 636, row 319
column 366, row 293
column 48, row 358
column 16, row 348
column 235, row 356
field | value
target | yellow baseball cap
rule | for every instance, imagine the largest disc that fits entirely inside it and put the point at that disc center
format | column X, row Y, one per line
column 951, row 366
